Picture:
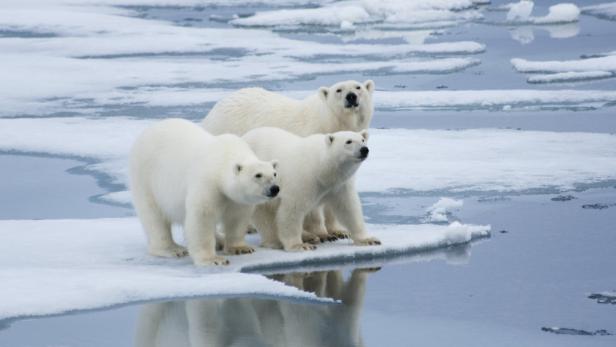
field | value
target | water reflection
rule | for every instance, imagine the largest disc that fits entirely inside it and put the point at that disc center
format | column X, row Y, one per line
column 525, row 34
column 262, row 322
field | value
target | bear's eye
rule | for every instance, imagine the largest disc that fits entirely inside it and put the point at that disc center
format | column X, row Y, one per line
column 258, row 175
column 358, row 87
column 349, row 142
column 339, row 91
column 275, row 174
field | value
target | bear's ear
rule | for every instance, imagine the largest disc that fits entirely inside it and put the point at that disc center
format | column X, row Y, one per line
column 323, row 93
column 274, row 164
column 329, row 139
column 364, row 134
column 369, row 85
column 237, row 169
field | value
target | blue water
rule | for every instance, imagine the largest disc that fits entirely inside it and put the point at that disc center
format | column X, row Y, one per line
column 537, row 270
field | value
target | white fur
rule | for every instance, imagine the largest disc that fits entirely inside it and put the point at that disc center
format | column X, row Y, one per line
column 313, row 170
column 323, row 112
column 180, row 174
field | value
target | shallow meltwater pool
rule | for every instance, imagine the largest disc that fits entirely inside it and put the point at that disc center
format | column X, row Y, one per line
column 478, row 120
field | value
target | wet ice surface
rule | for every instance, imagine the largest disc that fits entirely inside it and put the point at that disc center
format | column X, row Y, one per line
column 550, row 266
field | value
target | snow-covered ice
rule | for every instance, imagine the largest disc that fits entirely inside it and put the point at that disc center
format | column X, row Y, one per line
column 54, row 266
column 572, row 76
column 592, row 68
column 401, row 159
column 440, row 210
column 605, row 63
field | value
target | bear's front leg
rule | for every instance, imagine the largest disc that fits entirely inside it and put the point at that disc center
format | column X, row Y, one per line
column 289, row 224
column 234, row 224
column 314, row 227
column 347, row 208
column 200, row 229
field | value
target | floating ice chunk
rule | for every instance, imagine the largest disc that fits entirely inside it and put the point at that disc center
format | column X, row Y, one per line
column 440, row 210
column 570, row 77
column 606, row 63
column 326, row 16
column 604, row 298
column 493, row 99
column 604, row 11
column 520, row 11
column 347, row 26
column 560, row 13
column 54, row 266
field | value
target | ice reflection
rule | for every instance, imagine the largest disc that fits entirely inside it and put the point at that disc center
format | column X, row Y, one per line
column 525, row 33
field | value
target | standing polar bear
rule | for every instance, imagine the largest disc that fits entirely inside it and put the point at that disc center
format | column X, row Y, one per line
column 344, row 106
column 313, row 170
column 181, row 174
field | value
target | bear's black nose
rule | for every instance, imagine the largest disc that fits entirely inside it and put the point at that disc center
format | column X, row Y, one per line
column 273, row 191
column 351, row 98
column 364, row 152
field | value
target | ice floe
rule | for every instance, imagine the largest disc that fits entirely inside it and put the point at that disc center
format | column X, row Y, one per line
column 592, row 68
column 401, row 159
column 54, row 266
column 605, row 11
column 441, row 209
column 99, row 49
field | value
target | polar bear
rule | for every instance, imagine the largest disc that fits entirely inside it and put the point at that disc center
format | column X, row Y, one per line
column 181, row 174
column 346, row 105
column 343, row 106
column 313, row 170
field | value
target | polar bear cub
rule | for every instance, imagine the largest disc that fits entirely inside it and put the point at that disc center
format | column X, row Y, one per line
column 313, row 170
column 181, row 174
column 343, row 106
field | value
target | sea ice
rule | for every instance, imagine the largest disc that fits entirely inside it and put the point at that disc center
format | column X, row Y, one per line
column 54, row 266
column 401, row 159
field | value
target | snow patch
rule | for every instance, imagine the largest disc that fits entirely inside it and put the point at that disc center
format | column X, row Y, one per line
column 55, row 266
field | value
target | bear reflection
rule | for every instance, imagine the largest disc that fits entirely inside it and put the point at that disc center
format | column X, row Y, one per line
column 261, row 322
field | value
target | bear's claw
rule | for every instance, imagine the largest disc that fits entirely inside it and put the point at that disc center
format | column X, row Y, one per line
column 370, row 241
column 238, row 250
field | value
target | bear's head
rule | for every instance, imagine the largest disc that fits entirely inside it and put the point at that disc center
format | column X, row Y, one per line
column 347, row 148
column 256, row 181
column 350, row 102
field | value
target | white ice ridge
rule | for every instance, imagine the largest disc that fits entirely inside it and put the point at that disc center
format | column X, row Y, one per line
column 521, row 13
column 55, row 266
column 348, row 13
column 439, row 211
column 606, row 10
column 418, row 160
column 603, row 66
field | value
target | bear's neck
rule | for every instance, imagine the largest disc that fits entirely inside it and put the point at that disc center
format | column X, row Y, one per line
column 333, row 172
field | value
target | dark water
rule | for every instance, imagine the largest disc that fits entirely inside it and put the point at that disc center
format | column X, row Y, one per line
column 538, row 269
